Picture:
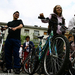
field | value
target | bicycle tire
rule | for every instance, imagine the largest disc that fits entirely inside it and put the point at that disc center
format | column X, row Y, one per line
column 56, row 65
column 32, row 62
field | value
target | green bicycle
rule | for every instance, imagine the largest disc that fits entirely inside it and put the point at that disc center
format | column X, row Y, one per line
column 54, row 54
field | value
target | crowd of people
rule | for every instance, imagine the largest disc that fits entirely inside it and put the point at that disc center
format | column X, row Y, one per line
column 13, row 44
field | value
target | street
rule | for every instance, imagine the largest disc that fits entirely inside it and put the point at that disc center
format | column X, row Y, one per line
column 1, row 73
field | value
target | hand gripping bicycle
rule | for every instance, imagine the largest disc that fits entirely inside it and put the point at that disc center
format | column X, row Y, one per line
column 54, row 54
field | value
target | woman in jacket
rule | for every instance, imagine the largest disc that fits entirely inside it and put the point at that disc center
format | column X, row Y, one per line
column 57, row 18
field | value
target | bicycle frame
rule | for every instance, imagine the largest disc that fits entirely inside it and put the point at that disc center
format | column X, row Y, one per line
column 48, row 42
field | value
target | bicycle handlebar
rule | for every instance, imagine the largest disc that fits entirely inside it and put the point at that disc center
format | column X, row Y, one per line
column 2, row 28
column 43, row 18
column 5, row 27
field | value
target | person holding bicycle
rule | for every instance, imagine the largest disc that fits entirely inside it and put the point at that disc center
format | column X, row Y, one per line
column 57, row 21
column 27, row 46
column 13, row 43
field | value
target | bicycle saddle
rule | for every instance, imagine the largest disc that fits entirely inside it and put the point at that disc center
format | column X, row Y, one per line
column 40, row 37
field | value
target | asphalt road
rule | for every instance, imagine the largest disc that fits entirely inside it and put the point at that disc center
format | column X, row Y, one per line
column 1, row 73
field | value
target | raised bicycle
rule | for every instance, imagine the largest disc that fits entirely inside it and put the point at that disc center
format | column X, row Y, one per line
column 54, row 54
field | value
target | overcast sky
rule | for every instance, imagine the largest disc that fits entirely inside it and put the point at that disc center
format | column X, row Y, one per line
column 30, row 10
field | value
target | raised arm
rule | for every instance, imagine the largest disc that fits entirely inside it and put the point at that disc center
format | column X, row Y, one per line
column 44, row 20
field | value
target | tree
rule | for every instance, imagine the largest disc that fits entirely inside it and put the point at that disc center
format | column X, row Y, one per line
column 23, row 39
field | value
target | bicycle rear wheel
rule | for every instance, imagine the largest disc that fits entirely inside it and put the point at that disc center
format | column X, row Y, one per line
column 56, row 62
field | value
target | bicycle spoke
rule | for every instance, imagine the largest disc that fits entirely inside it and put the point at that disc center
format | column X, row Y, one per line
column 53, row 63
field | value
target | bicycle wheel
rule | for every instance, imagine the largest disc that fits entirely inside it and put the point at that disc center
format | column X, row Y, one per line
column 56, row 62
column 29, row 64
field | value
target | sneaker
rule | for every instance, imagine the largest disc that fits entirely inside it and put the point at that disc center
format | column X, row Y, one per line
column 17, row 71
column 7, row 71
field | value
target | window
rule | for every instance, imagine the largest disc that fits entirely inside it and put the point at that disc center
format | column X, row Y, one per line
column 45, row 33
column 36, row 40
column 36, row 33
column 26, row 31
column 44, row 40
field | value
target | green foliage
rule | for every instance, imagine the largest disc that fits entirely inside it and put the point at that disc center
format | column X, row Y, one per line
column 23, row 39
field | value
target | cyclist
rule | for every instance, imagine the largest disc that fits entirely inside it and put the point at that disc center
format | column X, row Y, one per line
column 13, row 43
column 57, row 21
column 27, row 46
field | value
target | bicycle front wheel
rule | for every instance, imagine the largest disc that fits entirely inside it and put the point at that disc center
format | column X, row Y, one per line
column 29, row 64
column 55, row 61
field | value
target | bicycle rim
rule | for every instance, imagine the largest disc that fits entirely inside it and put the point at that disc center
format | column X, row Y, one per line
column 55, row 63
column 29, row 64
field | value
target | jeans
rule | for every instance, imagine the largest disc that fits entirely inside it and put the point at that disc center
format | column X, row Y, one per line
column 12, row 47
